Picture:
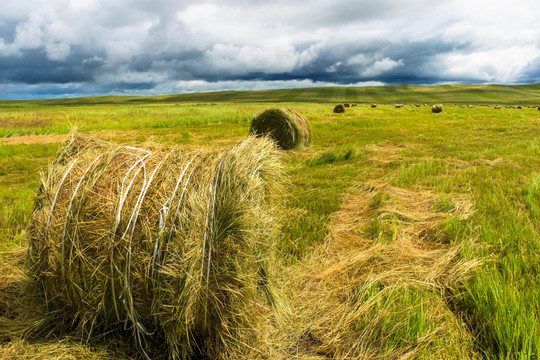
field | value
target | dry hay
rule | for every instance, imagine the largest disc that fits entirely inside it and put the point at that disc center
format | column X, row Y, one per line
column 437, row 108
column 338, row 109
column 360, row 297
column 170, row 247
column 288, row 128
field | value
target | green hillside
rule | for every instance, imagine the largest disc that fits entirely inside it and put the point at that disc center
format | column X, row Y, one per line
column 459, row 94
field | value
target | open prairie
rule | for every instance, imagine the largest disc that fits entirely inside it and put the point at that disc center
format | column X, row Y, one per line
column 402, row 233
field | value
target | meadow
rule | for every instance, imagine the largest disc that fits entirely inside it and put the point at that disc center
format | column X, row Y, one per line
column 442, row 212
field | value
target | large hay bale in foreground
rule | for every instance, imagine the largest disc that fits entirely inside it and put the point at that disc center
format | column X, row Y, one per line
column 437, row 108
column 288, row 128
column 338, row 109
column 172, row 247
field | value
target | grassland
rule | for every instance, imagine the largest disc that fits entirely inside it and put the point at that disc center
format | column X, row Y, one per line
column 484, row 157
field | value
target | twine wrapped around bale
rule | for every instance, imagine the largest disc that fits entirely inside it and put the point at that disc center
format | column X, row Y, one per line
column 171, row 247
column 288, row 128
column 338, row 109
column 437, row 108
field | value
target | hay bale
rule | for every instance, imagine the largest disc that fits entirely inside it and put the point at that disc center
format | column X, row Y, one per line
column 288, row 128
column 497, row 107
column 471, row 106
column 338, row 109
column 346, row 105
column 437, row 108
column 399, row 106
column 373, row 105
column 172, row 247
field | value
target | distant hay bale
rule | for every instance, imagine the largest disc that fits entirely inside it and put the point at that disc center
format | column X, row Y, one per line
column 518, row 107
column 346, row 105
column 462, row 106
column 288, row 128
column 353, row 105
column 497, row 107
column 338, row 109
column 172, row 247
column 399, row 106
column 437, row 108
column 373, row 105
column 471, row 106
column 417, row 105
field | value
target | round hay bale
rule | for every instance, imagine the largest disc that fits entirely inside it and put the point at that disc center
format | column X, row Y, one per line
column 346, row 105
column 338, row 109
column 399, row 106
column 471, row 106
column 288, row 128
column 497, row 107
column 373, row 105
column 171, row 247
column 437, row 108
column 353, row 105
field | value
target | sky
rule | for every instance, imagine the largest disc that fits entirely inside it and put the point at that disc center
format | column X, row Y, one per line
column 71, row 48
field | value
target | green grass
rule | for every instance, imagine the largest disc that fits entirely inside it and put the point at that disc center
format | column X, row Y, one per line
column 489, row 155
column 407, row 94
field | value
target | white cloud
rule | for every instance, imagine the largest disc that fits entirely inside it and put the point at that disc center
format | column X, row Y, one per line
column 381, row 66
column 340, row 41
column 494, row 66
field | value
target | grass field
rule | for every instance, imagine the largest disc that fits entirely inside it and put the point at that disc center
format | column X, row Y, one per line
column 441, row 213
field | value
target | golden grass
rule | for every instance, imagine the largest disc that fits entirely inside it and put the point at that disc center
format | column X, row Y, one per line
column 382, row 296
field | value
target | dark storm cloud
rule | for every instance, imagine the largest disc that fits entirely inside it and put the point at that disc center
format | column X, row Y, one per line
column 33, row 67
column 166, row 46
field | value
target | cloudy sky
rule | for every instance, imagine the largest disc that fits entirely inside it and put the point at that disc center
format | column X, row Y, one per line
column 64, row 48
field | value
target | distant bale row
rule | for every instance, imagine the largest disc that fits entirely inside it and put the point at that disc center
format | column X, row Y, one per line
column 172, row 246
column 288, row 128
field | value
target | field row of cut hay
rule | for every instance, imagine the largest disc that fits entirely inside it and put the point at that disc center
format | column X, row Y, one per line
column 401, row 233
